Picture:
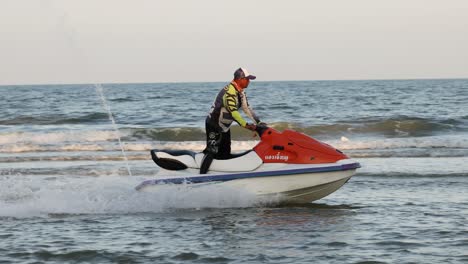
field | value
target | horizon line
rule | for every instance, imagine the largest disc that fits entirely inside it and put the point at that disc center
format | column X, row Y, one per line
column 182, row 82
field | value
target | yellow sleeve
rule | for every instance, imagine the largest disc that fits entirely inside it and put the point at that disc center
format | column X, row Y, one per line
column 230, row 99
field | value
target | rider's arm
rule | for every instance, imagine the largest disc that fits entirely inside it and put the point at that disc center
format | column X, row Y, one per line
column 230, row 103
column 247, row 109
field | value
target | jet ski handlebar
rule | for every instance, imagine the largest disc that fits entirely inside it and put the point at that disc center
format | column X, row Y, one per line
column 261, row 128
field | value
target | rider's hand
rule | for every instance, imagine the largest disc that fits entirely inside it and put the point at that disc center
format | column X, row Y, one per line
column 250, row 126
column 262, row 124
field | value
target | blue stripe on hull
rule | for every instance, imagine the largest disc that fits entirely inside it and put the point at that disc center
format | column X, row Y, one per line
column 246, row 175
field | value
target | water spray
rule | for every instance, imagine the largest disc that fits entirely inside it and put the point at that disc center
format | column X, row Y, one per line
column 69, row 33
column 100, row 91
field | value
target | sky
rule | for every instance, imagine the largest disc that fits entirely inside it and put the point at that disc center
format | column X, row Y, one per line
column 135, row 41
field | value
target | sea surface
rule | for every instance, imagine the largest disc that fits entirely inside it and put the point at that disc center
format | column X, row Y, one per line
column 67, row 189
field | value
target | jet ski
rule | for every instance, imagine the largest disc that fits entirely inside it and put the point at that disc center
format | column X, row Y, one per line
column 288, row 165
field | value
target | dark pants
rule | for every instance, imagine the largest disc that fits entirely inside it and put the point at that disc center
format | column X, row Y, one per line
column 218, row 146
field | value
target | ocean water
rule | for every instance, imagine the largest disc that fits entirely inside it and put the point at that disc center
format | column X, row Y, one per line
column 67, row 190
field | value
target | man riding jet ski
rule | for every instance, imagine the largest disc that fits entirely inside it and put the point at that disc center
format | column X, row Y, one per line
column 222, row 114
column 288, row 165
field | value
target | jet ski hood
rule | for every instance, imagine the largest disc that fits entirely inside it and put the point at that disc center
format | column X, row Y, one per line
column 293, row 147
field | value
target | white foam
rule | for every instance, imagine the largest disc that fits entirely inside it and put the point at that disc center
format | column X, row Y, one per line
column 200, row 145
column 57, row 137
column 26, row 196
column 449, row 141
column 113, row 146
column 42, row 144
column 416, row 166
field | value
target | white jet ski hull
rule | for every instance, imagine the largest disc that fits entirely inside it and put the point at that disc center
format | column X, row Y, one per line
column 288, row 183
column 299, row 188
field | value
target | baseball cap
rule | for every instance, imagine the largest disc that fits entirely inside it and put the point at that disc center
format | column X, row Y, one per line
column 243, row 73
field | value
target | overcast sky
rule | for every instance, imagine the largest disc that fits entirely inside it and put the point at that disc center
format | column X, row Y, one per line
column 102, row 41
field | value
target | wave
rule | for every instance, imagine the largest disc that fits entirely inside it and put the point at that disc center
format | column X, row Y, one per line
column 354, row 139
column 413, row 167
column 57, row 137
column 430, row 142
column 401, row 126
column 122, row 99
column 26, row 149
column 102, row 141
column 412, row 175
column 396, row 126
column 117, row 157
column 165, row 134
column 140, row 152
column 409, row 127
column 55, row 119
